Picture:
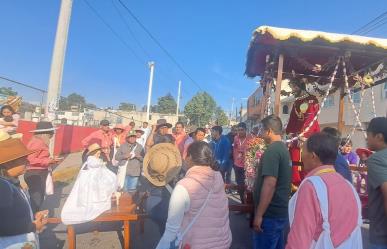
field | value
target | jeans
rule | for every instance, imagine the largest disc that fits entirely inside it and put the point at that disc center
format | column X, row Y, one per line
column 273, row 234
column 373, row 246
column 36, row 181
column 131, row 183
column 226, row 175
column 240, row 180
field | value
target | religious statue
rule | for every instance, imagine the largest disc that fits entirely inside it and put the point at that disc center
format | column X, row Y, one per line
column 303, row 112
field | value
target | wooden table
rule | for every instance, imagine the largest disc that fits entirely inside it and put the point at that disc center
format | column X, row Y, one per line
column 125, row 212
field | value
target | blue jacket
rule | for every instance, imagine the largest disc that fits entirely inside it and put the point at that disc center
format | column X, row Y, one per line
column 222, row 150
column 342, row 167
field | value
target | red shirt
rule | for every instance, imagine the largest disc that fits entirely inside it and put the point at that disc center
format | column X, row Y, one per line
column 40, row 159
column 307, row 223
column 104, row 139
column 180, row 140
column 239, row 150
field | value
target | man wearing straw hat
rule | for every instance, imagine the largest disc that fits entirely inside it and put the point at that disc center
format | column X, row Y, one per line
column 160, row 134
column 131, row 153
column 18, row 225
column 162, row 164
column 103, row 137
column 39, row 163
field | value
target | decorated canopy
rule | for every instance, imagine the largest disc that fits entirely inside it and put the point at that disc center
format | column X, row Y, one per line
column 313, row 54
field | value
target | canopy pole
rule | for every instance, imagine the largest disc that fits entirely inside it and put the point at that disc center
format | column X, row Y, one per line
column 340, row 125
column 277, row 102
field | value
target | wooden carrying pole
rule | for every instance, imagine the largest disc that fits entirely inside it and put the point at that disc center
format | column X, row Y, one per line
column 340, row 125
column 277, row 102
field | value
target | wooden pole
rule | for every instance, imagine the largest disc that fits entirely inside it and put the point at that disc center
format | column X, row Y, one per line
column 277, row 102
column 340, row 125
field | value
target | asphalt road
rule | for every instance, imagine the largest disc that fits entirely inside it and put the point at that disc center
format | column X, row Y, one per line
column 110, row 236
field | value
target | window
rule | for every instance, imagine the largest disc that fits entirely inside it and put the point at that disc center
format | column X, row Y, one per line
column 385, row 91
column 329, row 102
column 285, row 109
column 356, row 97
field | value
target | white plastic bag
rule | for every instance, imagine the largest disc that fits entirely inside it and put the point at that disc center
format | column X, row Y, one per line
column 49, row 184
column 121, row 174
column 91, row 193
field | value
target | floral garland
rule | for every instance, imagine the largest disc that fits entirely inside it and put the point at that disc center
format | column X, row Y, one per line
column 255, row 149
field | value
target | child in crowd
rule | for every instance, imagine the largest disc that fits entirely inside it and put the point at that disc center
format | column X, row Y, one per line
column 348, row 154
column 361, row 176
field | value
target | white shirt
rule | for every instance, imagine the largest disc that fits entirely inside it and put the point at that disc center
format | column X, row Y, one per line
column 179, row 204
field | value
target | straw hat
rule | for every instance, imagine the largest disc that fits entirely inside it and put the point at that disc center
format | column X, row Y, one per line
column 11, row 148
column 131, row 133
column 93, row 148
column 162, row 163
column 43, row 127
column 139, row 130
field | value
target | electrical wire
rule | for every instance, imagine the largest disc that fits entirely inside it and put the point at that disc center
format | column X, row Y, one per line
column 159, row 45
column 115, row 33
column 375, row 27
column 23, row 84
column 367, row 25
column 129, row 29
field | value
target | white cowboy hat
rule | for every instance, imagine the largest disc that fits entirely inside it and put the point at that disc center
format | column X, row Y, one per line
column 44, row 126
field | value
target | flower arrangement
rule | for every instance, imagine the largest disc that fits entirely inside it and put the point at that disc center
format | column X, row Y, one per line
column 256, row 147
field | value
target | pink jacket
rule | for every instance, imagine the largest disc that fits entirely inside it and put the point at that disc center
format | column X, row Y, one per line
column 212, row 229
column 40, row 159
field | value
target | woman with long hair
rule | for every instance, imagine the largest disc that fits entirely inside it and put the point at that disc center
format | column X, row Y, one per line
column 9, row 119
column 198, row 216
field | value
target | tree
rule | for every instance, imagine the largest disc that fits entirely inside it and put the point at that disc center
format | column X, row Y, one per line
column 153, row 108
column 127, row 106
column 220, row 117
column 166, row 104
column 200, row 109
column 26, row 107
column 74, row 99
column 7, row 91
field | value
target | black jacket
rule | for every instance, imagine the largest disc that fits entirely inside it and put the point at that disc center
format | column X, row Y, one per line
column 15, row 209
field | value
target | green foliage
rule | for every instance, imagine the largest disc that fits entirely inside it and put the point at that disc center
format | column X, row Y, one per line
column 220, row 117
column 200, row 109
column 127, row 106
column 7, row 91
column 26, row 107
column 74, row 99
column 166, row 104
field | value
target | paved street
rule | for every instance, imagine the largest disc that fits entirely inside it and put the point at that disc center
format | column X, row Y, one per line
column 107, row 237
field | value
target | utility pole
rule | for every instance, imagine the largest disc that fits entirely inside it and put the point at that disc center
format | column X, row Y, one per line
column 151, row 66
column 232, row 108
column 178, row 100
column 58, row 56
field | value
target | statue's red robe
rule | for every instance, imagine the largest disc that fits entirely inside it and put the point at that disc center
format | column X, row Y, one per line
column 303, row 112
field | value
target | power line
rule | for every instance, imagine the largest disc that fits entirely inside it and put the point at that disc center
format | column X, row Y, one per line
column 159, row 44
column 114, row 32
column 365, row 26
column 130, row 29
column 375, row 26
column 23, row 84
column 164, row 74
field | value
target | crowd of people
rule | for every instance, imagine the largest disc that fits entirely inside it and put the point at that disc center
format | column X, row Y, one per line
column 182, row 173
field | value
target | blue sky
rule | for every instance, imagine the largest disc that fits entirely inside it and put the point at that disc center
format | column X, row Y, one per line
column 208, row 38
